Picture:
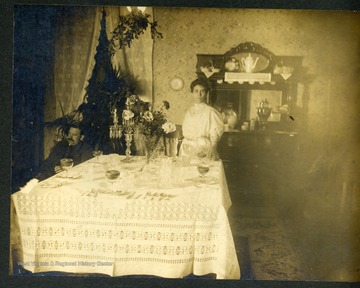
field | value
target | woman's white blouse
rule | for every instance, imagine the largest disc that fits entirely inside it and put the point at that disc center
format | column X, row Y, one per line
column 202, row 125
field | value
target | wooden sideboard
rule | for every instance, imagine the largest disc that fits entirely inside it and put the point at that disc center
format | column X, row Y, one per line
column 257, row 159
column 261, row 154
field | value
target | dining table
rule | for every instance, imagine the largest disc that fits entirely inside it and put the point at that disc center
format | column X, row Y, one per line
column 160, row 218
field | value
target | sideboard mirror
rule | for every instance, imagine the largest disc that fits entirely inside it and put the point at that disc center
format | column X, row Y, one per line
column 248, row 57
column 249, row 75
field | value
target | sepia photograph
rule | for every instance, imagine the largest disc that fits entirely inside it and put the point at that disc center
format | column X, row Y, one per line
column 189, row 143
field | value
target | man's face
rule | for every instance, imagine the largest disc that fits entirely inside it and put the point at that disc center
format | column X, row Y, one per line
column 74, row 136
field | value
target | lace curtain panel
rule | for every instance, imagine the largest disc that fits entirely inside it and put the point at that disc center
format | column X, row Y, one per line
column 136, row 61
column 75, row 48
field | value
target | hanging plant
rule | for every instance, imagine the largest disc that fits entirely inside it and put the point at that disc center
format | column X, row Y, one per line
column 102, row 97
column 130, row 27
column 113, row 90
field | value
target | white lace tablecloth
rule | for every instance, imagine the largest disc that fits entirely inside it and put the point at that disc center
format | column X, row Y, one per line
column 142, row 225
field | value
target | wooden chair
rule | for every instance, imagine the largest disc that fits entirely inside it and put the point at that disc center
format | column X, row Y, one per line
column 172, row 142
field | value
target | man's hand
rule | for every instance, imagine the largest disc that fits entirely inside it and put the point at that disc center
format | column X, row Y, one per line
column 58, row 169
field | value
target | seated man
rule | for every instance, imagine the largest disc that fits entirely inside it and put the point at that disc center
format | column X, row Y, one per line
column 72, row 147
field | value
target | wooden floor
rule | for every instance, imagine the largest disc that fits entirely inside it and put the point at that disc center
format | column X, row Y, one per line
column 320, row 215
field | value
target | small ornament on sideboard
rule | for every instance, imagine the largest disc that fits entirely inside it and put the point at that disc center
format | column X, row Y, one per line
column 230, row 117
column 263, row 111
column 232, row 65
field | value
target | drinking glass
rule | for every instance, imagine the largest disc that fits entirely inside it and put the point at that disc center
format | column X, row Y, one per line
column 97, row 154
column 66, row 164
column 202, row 153
column 190, row 149
column 112, row 175
column 203, row 169
column 188, row 153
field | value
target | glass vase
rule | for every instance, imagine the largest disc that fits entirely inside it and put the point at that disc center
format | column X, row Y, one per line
column 151, row 146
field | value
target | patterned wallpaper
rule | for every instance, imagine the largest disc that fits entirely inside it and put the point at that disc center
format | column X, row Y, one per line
column 328, row 41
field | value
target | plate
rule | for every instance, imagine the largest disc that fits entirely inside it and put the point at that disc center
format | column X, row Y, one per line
column 176, row 83
column 50, row 185
column 70, row 176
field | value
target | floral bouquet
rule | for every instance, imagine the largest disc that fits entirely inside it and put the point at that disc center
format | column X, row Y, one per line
column 151, row 126
column 134, row 108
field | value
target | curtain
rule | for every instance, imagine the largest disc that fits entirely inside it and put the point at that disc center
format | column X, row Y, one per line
column 75, row 48
column 136, row 61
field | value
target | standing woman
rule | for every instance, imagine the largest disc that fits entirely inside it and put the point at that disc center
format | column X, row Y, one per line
column 202, row 126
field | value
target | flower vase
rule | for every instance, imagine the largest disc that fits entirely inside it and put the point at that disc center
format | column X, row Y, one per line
column 151, row 146
column 128, row 139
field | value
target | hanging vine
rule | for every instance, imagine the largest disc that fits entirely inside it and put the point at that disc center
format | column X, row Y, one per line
column 130, row 27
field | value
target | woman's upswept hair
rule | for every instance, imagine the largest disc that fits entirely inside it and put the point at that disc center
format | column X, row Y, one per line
column 201, row 82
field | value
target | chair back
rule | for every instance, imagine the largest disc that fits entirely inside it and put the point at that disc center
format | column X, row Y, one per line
column 172, row 142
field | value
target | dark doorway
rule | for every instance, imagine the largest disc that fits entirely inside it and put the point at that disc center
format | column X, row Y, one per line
column 34, row 34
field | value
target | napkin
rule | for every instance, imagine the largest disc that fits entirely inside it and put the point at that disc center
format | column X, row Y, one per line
column 29, row 186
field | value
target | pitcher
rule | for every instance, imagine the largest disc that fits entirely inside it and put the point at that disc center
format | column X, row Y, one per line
column 249, row 63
